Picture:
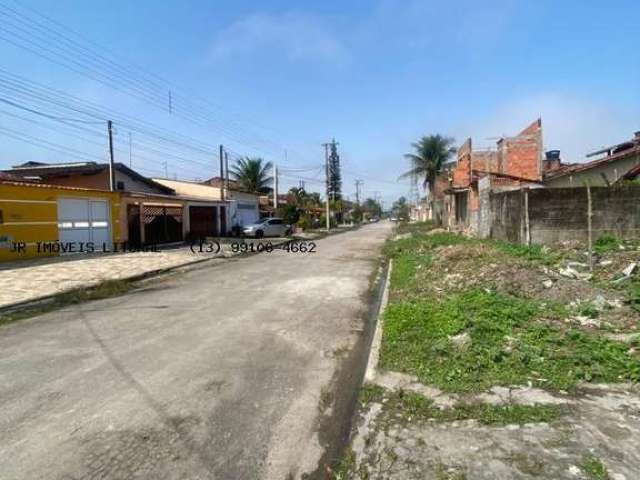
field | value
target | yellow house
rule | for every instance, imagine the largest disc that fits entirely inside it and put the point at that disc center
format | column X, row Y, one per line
column 45, row 220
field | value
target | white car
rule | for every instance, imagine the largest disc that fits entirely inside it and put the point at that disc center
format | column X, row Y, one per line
column 267, row 227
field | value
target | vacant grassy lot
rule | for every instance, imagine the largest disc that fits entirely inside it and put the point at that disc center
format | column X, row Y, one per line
column 463, row 328
column 470, row 327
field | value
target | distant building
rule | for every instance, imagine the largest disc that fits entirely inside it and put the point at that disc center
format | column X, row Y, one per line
column 149, row 212
column 516, row 162
column 613, row 164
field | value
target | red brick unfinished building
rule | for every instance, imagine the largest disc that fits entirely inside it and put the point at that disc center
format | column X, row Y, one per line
column 516, row 162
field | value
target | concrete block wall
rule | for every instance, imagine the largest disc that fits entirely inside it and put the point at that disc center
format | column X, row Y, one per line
column 560, row 214
column 506, row 214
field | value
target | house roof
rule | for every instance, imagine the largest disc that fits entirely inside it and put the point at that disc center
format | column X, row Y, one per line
column 51, row 170
column 191, row 189
column 219, row 181
column 505, row 175
column 22, row 183
column 631, row 174
column 581, row 167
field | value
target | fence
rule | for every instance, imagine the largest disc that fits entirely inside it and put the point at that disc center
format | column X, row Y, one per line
column 550, row 215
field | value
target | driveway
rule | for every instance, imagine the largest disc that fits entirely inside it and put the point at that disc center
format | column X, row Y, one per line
column 231, row 371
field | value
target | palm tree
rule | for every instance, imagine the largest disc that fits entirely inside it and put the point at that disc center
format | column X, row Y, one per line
column 252, row 175
column 431, row 152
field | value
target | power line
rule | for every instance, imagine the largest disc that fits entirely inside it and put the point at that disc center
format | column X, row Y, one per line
column 147, row 76
column 86, row 61
column 57, row 129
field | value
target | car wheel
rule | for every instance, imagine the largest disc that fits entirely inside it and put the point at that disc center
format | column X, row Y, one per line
column 259, row 234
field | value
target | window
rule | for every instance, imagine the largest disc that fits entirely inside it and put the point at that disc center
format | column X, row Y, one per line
column 120, row 185
column 275, row 221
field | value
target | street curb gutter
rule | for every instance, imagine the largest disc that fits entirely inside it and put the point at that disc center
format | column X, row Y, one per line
column 46, row 299
column 374, row 351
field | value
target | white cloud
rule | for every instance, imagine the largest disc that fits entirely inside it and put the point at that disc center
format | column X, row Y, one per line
column 571, row 124
column 291, row 35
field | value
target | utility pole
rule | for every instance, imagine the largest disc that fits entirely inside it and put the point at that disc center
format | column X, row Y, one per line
column 166, row 171
column 376, row 196
column 226, row 171
column 222, row 172
column 170, row 103
column 326, row 168
column 359, row 183
column 275, row 185
column 112, row 178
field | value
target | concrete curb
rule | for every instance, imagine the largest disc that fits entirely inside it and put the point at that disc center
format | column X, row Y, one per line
column 374, row 352
column 13, row 307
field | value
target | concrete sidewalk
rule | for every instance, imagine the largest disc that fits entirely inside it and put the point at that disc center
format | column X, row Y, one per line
column 29, row 280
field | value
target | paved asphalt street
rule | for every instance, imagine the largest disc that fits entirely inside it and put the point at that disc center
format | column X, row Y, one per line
column 229, row 371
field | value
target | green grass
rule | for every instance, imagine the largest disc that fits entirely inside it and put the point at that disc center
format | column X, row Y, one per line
column 633, row 289
column 370, row 393
column 109, row 288
column 413, row 406
column 420, row 243
column 417, row 227
column 513, row 340
column 606, row 243
column 535, row 253
column 509, row 345
column 594, row 468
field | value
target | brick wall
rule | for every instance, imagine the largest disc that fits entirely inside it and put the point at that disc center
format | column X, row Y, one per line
column 462, row 172
column 522, row 155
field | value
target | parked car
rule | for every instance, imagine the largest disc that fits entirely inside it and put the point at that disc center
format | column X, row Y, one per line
column 267, row 227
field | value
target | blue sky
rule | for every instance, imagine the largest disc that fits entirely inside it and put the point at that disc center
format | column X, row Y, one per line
column 373, row 74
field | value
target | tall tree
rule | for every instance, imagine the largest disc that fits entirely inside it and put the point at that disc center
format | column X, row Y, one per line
column 335, row 176
column 401, row 209
column 372, row 207
column 430, row 153
column 252, row 174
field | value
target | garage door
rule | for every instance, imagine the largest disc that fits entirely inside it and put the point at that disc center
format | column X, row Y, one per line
column 203, row 222
column 247, row 213
column 83, row 221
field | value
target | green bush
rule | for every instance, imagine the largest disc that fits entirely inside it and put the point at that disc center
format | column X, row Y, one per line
column 304, row 223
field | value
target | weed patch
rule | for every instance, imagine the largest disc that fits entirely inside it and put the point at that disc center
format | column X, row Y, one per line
column 594, row 468
column 411, row 406
column 606, row 243
column 535, row 253
column 508, row 343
